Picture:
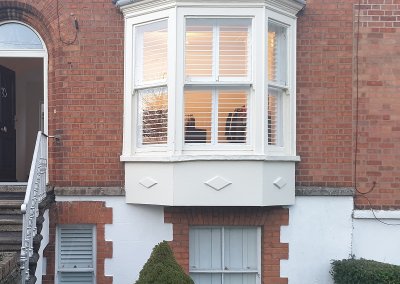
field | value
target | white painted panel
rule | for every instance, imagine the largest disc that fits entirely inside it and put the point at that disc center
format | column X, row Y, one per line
column 320, row 229
column 375, row 240
column 210, row 183
column 160, row 193
column 245, row 187
column 282, row 174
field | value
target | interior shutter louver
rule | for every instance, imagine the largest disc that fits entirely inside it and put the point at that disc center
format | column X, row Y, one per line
column 76, row 254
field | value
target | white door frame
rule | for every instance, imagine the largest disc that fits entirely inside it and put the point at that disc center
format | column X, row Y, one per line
column 32, row 53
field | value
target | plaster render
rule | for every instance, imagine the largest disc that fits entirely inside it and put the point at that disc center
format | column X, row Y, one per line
column 136, row 229
column 320, row 230
column 375, row 240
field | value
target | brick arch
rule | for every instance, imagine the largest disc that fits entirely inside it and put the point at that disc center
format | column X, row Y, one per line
column 25, row 13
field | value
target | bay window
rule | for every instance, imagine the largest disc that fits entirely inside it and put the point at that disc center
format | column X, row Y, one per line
column 210, row 90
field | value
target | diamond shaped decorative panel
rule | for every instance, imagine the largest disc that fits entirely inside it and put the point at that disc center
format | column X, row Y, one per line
column 148, row 182
column 218, row 183
column 279, row 183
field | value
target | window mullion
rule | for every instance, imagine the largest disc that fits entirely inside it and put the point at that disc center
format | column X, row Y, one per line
column 215, row 52
column 223, row 253
column 214, row 117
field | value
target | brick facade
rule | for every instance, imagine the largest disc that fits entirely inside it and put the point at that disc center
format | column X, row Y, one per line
column 326, row 99
column 85, row 90
column 379, row 104
column 80, row 213
column 270, row 219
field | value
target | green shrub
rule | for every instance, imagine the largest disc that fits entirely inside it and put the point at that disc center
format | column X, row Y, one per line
column 363, row 271
column 162, row 268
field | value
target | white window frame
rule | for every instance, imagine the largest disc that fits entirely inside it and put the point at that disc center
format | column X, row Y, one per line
column 288, row 99
column 131, row 144
column 257, row 131
column 224, row 271
column 252, row 144
column 57, row 251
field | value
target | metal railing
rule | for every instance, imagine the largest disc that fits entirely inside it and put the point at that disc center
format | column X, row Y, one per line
column 35, row 193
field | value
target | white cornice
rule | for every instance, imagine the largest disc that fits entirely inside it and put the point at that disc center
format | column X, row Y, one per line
column 291, row 7
column 288, row 7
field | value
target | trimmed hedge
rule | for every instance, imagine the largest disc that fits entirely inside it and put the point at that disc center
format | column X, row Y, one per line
column 162, row 268
column 363, row 271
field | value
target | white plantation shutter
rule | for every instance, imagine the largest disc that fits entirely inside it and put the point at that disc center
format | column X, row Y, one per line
column 75, row 254
column 277, row 54
column 151, row 53
column 199, row 48
column 224, row 255
column 216, row 115
column 275, row 113
column 277, row 81
column 217, row 50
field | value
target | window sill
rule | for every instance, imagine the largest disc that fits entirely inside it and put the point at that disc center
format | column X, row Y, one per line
column 208, row 157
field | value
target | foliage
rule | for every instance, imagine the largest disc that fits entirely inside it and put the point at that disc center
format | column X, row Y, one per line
column 162, row 268
column 363, row 271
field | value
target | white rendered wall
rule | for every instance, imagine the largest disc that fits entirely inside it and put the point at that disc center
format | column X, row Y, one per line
column 320, row 230
column 41, row 265
column 136, row 229
column 375, row 240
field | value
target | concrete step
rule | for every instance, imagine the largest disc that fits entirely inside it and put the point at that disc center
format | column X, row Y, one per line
column 11, row 223
column 12, row 192
column 10, row 241
column 10, row 207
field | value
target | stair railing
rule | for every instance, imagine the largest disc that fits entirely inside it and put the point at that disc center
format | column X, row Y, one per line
column 35, row 193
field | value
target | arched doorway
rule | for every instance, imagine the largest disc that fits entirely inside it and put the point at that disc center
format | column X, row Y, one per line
column 23, row 98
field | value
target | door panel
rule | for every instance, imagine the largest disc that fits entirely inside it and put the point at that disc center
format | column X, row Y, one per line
column 7, row 124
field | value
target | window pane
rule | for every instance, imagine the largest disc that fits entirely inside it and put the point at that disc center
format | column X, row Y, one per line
column 206, row 278
column 205, row 249
column 198, row 116
column 277, row 53
column 199, row 48
column 249, row 278
column 232, row 116
column 216, row 115
column 18, row 36
column 151, row 52
column 216, row 48
column 233, row 48
column 275, row 113
column 240, row 245
column 153, row 115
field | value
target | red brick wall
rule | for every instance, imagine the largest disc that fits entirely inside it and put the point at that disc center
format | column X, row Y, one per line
column 326, row 98
column 324, row 93
column 80, row 213
column 85, row 87
column 270, row 219
column 379, row 103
